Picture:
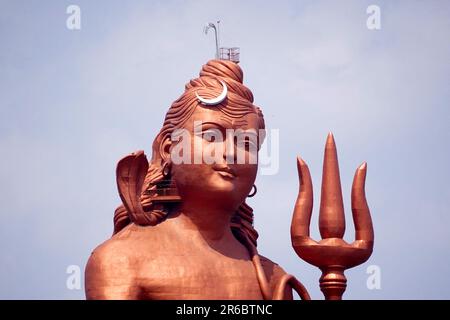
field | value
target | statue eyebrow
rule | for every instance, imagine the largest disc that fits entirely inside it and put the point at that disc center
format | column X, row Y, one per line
column 223, row 123
column 199, row 125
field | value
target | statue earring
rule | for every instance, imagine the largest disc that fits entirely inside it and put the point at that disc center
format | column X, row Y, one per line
column 166, row 169
column 252, row 194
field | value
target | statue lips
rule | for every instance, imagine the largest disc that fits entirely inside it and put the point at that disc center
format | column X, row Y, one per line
column 225, row 171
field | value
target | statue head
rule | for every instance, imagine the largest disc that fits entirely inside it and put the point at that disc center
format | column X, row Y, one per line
column 205, row 152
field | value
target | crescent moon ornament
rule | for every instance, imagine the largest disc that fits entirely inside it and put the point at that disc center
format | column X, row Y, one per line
column 219, row 99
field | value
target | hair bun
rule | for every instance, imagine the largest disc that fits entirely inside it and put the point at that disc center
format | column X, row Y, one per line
column 222, row 68
column 225, row 70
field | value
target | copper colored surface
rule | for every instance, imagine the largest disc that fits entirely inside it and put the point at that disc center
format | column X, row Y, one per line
column 332, row 254
column 185, row 231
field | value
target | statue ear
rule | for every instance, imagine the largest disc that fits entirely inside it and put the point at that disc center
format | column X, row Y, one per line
column 165, row 148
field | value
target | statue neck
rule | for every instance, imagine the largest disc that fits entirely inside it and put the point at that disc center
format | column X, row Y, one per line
column 211, row 222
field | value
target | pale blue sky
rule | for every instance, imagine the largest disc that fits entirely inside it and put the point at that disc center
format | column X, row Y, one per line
column 74, row 102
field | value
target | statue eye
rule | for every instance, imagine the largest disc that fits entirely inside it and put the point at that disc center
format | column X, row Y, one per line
column 246, row 142
column 209, row 137
column 212, row 135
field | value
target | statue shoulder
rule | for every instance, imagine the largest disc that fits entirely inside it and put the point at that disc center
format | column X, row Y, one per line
column 111, row 270
column 271, row 268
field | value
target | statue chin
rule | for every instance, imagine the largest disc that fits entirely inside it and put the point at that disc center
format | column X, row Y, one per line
column 212, row 184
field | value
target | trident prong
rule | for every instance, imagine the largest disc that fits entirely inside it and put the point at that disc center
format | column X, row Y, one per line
column 332, row 254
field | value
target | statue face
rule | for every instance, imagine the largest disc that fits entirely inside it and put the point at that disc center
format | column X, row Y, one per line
column 219, row 157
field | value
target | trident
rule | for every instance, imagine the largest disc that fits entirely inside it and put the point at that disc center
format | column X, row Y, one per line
column 332, row 254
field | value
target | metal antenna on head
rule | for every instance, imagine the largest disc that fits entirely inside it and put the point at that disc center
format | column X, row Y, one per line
column 222, row 53
column 213, row 26
column 218, row 38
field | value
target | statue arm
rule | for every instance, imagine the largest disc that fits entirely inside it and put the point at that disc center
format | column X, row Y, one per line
column 276, row 275
column 109, row 275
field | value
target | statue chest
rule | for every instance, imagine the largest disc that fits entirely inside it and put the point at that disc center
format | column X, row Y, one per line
column 191, row 275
